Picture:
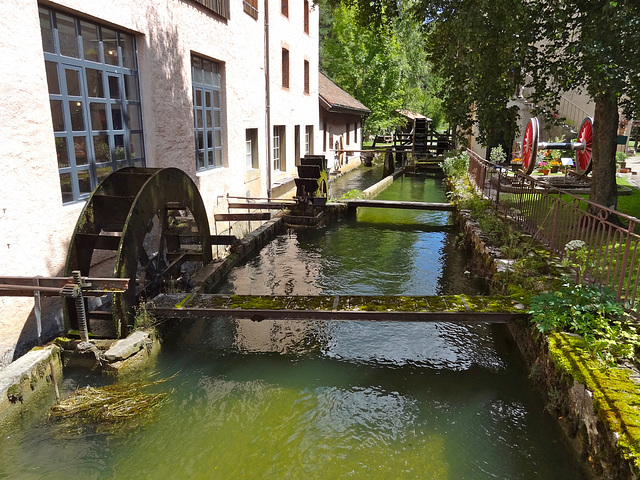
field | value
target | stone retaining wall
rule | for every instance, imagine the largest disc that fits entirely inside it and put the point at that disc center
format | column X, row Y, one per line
column 568, row 400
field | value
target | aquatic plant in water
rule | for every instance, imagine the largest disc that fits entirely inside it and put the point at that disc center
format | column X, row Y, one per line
column 115, row 404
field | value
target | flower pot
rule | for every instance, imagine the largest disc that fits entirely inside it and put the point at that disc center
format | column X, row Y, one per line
column 545, row 171
column 516, row 166
column 555, row 168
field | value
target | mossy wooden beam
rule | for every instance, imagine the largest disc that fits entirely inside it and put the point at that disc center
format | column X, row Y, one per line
column 355, row 203
column 454, row 308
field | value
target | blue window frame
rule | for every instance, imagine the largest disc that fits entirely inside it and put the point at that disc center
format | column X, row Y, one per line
column 95, row 101
column 207, row 112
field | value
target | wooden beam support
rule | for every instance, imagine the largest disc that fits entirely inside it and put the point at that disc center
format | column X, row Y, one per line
column 235, row 217
column 451, row 308
column 264, row 205
column 449, row 207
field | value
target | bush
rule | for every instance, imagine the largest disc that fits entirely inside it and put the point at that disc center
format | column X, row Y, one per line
column 590, row 311
column 456, row 165
column 497, row 155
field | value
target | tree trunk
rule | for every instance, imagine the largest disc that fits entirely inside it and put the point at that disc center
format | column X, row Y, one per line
column 605, row 135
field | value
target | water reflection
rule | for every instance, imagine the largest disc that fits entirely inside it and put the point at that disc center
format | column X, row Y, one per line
column 327, row 399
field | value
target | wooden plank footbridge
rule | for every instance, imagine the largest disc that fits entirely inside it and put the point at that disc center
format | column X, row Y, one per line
column 446, row 308
column 351, row 204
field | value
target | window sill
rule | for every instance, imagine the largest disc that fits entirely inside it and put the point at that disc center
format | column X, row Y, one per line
column 208, row 171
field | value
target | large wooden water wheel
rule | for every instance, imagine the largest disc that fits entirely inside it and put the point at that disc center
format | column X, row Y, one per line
column 145, row 224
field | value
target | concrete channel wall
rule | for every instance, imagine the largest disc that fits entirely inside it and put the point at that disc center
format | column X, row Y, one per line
column 28, row 379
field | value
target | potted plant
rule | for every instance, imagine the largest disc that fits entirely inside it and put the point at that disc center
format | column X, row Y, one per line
column 542, row 162
column 543, row 167
column 516, row 164
column 555, row 156
column 621, row 159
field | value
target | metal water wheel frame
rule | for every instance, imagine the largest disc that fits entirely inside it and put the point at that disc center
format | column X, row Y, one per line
column 120, row 216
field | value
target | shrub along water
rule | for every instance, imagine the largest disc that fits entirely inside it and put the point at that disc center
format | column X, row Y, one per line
column 557, row 303
column 589, row 335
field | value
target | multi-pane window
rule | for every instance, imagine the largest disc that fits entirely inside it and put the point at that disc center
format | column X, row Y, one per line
column 279, row 148
column 252, row 148
column 285, row 68
column 95, row 101
column 207, row 112
column 284, row 7
column 348, row 132
column 306, row 77
column 251, row 8
column 306, row 16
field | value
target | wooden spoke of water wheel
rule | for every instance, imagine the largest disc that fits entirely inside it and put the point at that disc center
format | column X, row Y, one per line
column 145, row 224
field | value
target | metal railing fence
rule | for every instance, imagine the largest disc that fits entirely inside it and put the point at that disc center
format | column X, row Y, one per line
column 611, row 255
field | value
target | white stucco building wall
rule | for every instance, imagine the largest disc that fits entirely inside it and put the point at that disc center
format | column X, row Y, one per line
column 35, row 225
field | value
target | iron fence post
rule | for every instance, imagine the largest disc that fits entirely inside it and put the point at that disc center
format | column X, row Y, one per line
column 625, row 260
column 553, row 241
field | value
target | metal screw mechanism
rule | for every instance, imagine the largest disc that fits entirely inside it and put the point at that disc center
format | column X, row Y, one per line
column 80, row 311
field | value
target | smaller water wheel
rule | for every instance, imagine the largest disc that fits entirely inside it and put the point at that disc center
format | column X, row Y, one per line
column 145, row 224
column 312, row 182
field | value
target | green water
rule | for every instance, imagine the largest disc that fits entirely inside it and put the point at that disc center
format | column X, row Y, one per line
column 325, row 400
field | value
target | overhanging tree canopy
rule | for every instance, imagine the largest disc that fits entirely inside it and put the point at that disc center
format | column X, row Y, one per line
column 485, row 48
column 592, row 46
column 382, row 64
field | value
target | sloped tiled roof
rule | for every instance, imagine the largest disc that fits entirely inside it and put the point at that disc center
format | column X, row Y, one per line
column 335, row 99
column 412, row 115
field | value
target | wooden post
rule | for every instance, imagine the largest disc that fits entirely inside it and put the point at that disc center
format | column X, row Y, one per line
column 388, row 168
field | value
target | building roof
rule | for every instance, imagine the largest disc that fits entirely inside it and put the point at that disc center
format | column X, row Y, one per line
column 334, row 99
column 412, row 115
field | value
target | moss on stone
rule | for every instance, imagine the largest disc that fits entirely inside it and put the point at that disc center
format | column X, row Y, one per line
column 616, row 396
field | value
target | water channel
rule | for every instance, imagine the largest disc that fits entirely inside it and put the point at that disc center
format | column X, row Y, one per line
column 326, row 400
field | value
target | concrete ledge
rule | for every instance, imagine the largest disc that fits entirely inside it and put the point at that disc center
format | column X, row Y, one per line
column 373, row 190
column 135, row 354
column 378, row 187
column 29, row 376
column 123, row 349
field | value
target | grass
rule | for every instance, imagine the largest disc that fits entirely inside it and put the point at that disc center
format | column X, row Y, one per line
column 629, row 204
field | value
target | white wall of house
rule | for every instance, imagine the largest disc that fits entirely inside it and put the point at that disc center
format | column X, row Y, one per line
column 341, row 129
column 291, row 107
column 35, row 226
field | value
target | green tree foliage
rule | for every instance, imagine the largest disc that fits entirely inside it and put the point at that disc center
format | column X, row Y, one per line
column 483, row 49
column 591, row 46
column 382, row 64
column 478, row 49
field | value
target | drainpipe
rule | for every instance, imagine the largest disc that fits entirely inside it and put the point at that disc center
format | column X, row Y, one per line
column 267, row 100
